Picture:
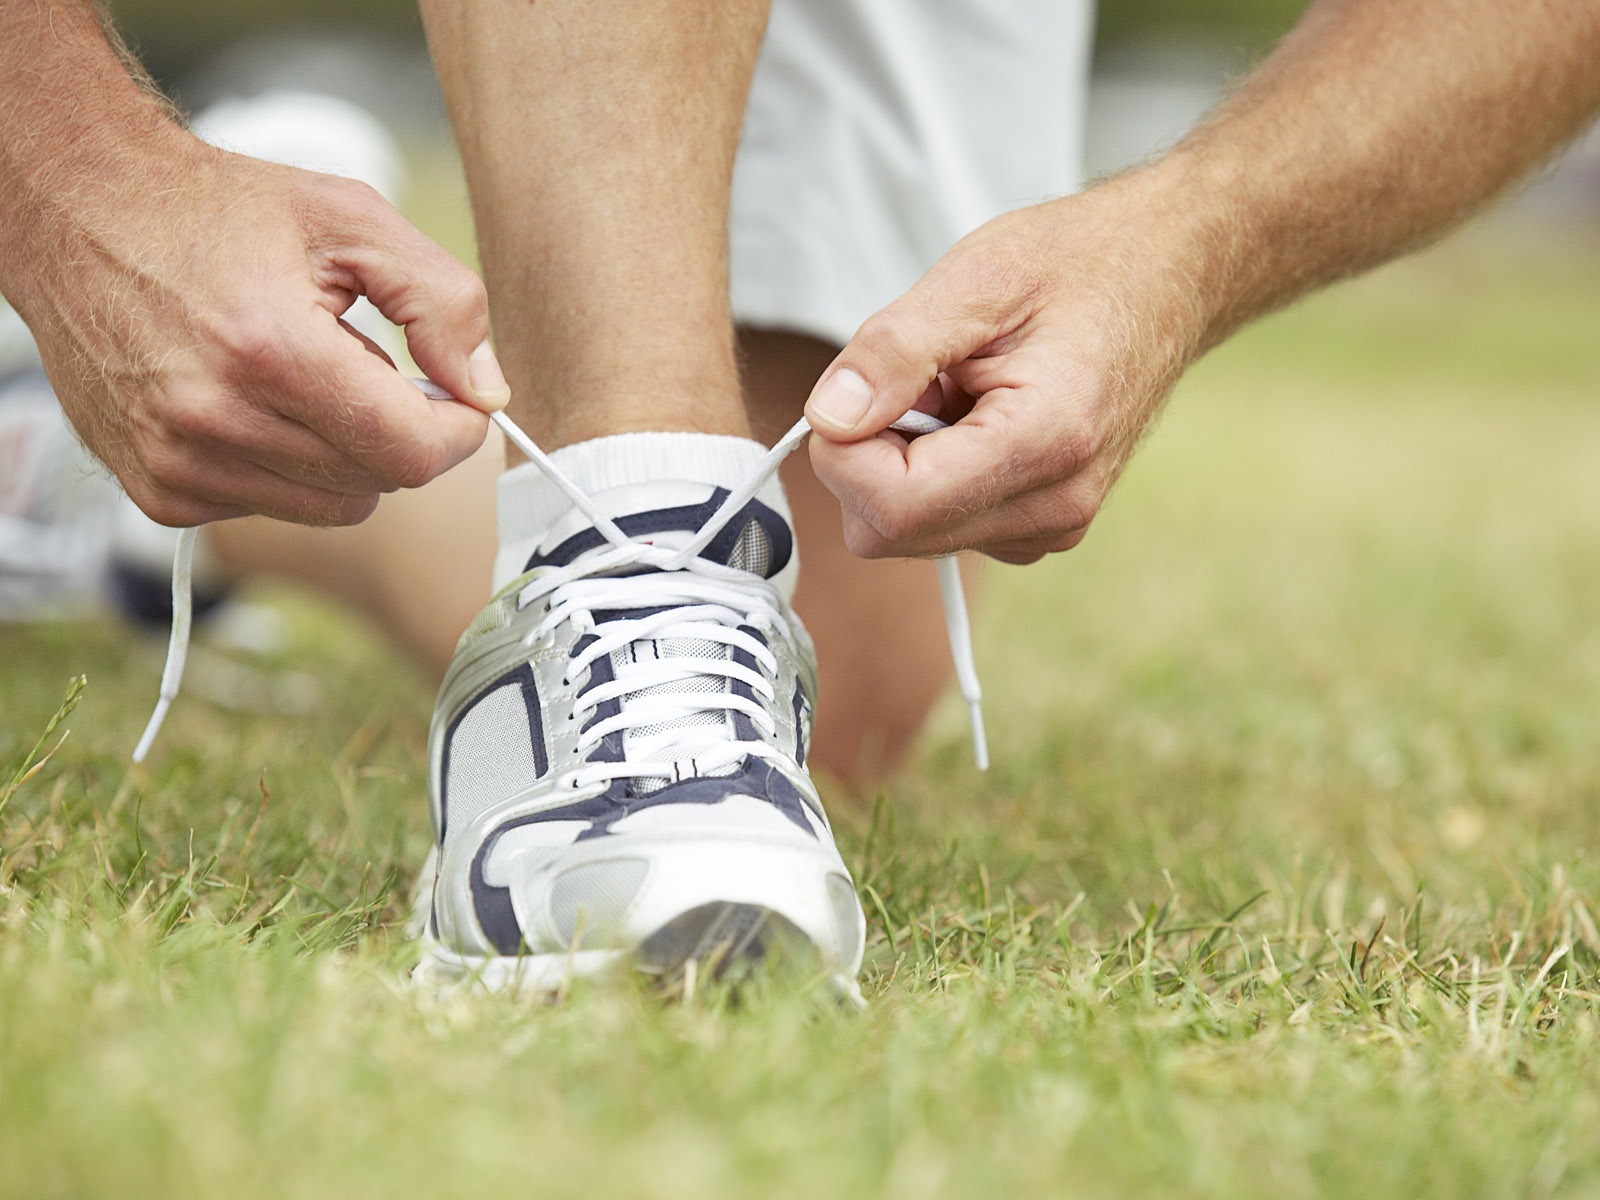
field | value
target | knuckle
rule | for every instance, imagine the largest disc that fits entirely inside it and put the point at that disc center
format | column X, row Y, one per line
column 411, row 465
column 168, row 470
column 467, row 302
column 350, row 197
column 1014, row 557
column 894, row 521
column 1075, row 448
column 162, row 506
column 313, row 506
column 893, row 336
column 1068, row 541
column 1045, row 525
column 193, row 417
column 1074, row 517
column 351, row 510
column 359, row 194
column 252, row 344
column 335, row 475
column 863, row 541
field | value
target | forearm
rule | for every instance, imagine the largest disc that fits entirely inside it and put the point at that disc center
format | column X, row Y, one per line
column 1375, row 125
column 77, row 127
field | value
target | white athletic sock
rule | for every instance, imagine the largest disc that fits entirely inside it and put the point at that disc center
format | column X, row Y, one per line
column 625, row 473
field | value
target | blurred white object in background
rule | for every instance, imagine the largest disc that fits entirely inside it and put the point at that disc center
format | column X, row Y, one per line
column 57, row 505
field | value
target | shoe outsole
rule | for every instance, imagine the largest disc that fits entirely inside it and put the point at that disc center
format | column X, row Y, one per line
column 727, row 941
column 731, row 944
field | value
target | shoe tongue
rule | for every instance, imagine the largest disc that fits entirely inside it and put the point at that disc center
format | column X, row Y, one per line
column 755, row 539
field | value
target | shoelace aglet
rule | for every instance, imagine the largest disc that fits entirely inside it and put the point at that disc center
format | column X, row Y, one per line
column 177, row 642
column 980, row 741
column 960, row 629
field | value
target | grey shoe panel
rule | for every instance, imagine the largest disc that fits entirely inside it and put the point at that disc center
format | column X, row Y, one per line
column 483, row 759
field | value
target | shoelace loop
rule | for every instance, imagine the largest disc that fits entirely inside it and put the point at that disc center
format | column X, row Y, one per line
column 657, row 699
column 957, row 626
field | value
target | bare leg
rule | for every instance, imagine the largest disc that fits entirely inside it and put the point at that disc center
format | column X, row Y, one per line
column 598, row 141
column 878, row 626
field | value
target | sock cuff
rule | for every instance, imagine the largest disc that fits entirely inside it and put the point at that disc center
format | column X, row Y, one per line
column 530, row 504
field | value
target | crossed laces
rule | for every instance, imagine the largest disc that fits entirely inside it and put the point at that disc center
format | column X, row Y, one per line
column 957, row 626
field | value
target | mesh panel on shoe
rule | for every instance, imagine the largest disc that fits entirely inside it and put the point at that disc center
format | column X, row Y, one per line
column 753, row 552
column 487, row 621
column 642, row 651
column 491, row 756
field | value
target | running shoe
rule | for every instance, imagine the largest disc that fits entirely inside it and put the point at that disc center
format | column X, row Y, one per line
column 618, row 759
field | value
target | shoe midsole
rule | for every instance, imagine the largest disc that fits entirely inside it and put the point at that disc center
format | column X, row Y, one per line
column 807, row 885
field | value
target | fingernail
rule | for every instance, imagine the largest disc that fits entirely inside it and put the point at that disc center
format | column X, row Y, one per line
column 841, row 401
column 490, row 390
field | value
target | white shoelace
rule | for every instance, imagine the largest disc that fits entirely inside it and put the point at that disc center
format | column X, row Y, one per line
column 675, row 725
column 718, row 598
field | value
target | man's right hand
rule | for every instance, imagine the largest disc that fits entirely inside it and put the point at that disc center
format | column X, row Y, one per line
column 188, row 313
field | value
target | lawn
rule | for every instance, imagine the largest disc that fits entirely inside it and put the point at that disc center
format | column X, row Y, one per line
column 1283, row 883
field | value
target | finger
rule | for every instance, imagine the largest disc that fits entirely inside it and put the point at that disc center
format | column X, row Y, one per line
column 416, row 284
column 946, row 400
column 194, row 489
column 301, row 455
column 178, row 512
column 967, row 486
column 1020, row 552
column 865, row 542
column 896, row 357
column 369, row 412
column 235, row 428
column 1064, row 525
column 1007, row 446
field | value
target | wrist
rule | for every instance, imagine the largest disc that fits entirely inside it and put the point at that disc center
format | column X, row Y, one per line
column 1187, row 209
column 81, row 131
column 65, row 192
column 1151, row 243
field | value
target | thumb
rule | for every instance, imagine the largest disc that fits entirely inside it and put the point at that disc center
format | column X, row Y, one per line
column 892, row 361
column 441, row 304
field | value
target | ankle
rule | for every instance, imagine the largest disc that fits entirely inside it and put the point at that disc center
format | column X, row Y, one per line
column 633, row 472
column 569, row 407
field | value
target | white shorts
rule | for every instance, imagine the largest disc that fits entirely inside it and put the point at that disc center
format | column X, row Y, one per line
column 880, row 131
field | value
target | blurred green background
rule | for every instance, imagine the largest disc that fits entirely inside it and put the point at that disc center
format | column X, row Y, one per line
column 171, row 34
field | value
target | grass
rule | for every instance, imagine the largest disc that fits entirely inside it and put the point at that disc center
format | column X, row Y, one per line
column 1284, row 883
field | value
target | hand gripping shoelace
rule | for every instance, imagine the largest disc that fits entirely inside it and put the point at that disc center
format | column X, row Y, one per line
column 711, row 593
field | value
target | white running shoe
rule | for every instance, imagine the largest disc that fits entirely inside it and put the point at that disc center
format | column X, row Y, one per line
column 56, row 506
column 618, row 758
